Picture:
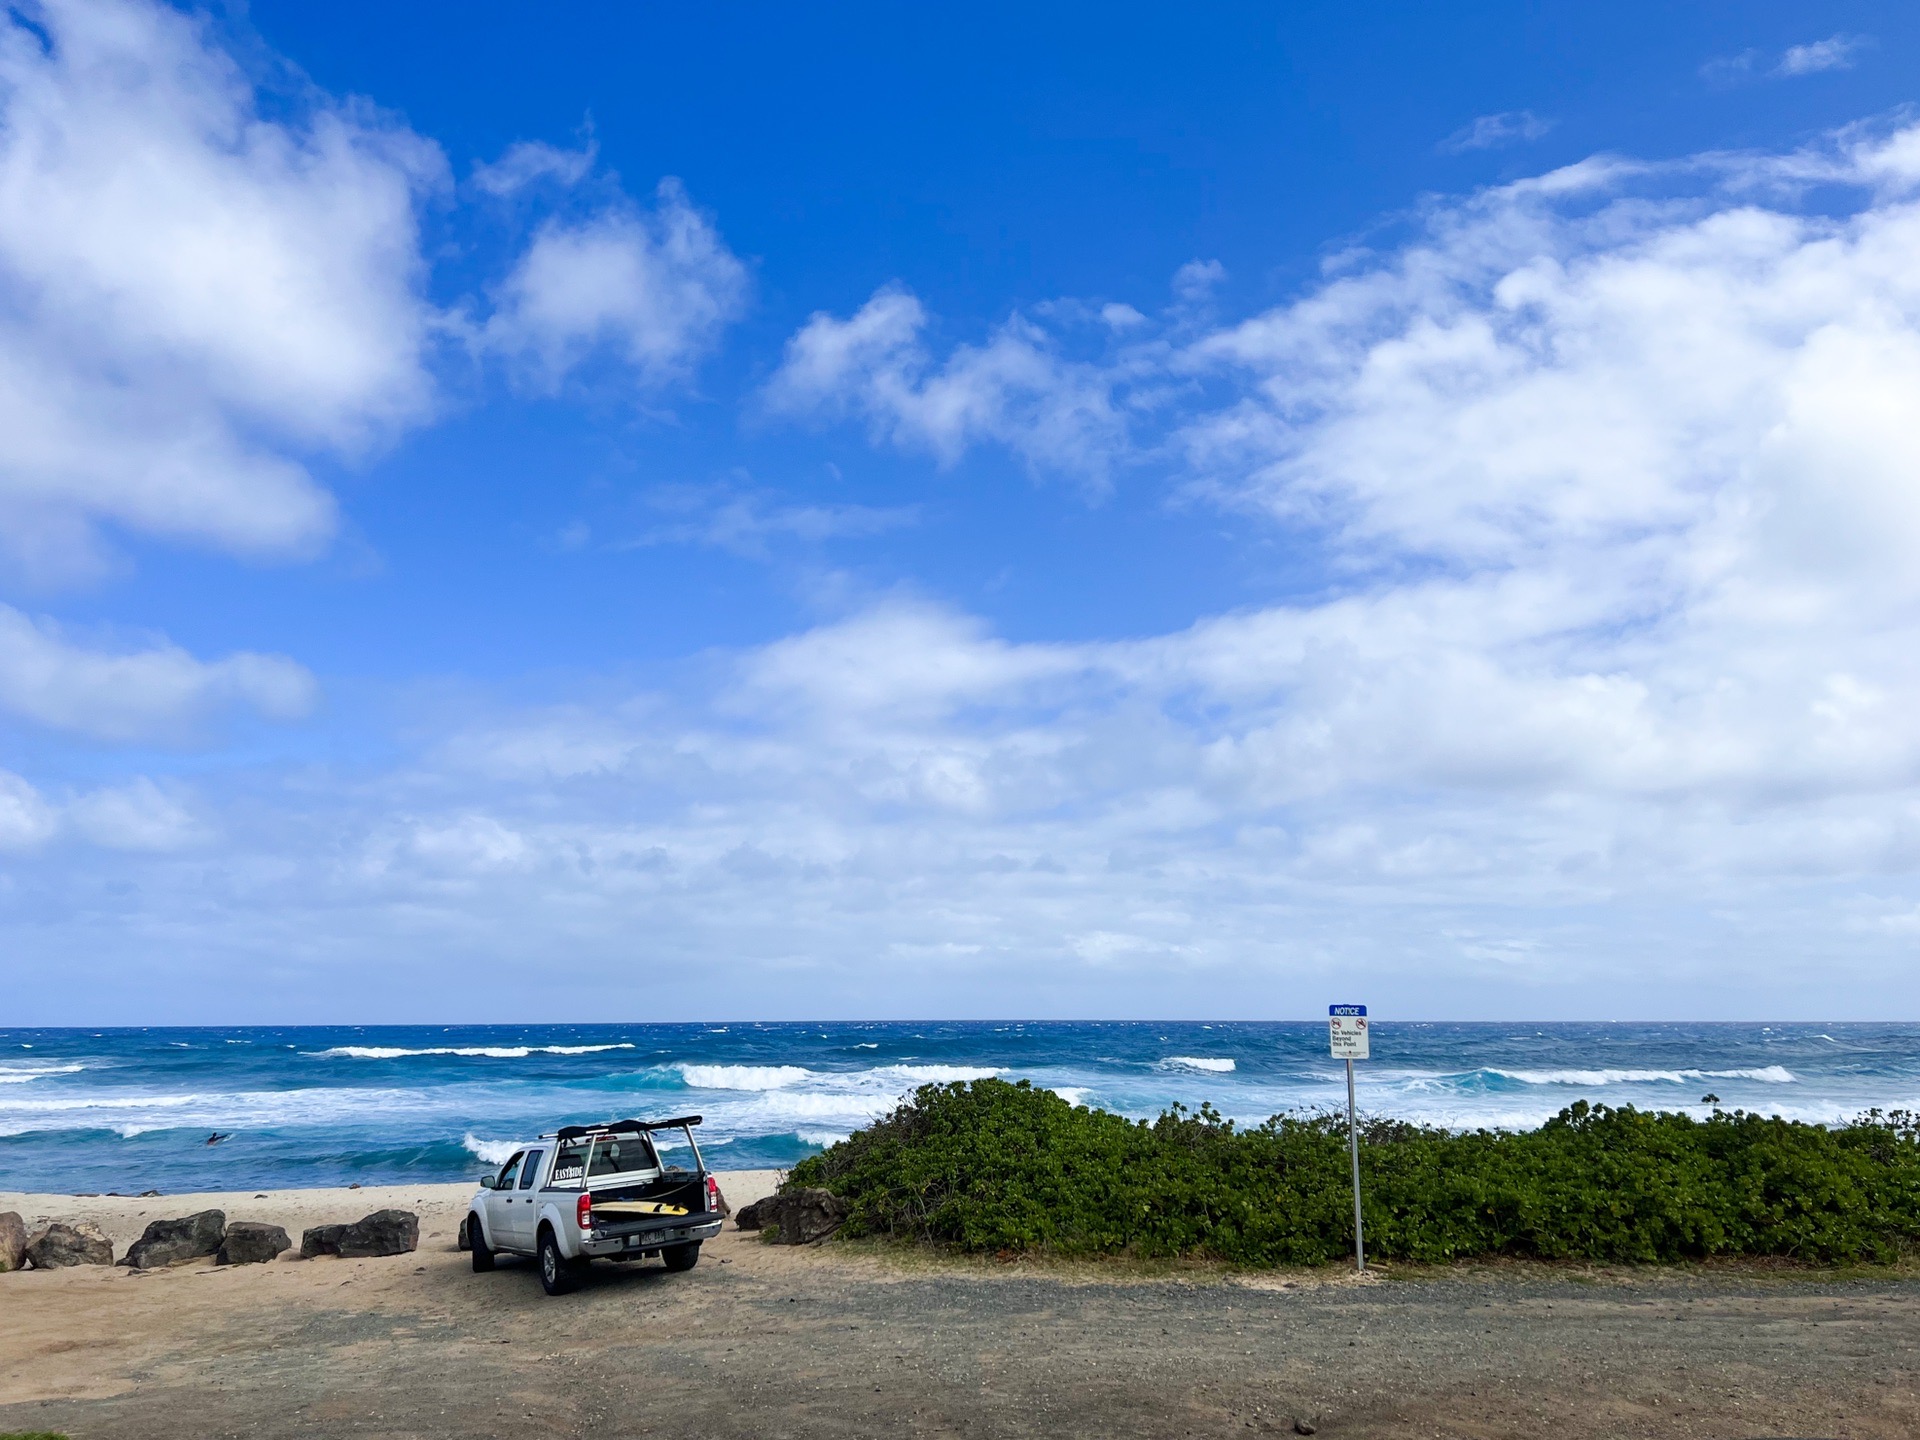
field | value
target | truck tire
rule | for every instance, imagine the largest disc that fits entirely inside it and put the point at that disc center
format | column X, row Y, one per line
column 477, row 1243
column 681, row 1257
column 557, row 1276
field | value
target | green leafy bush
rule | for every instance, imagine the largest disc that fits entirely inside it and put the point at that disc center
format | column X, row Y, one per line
column 992, row 1166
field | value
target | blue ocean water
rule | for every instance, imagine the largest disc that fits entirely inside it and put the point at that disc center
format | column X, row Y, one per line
column 129, row 1110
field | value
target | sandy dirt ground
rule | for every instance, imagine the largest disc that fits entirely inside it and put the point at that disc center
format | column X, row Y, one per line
column 846, row 1341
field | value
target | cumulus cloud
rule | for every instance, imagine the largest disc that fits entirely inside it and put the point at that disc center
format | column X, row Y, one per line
column 650, row 289
column 530, row 162
column 140, row 816
column 1836, row 52
column 191, row 294
column 158, row 691
column 27, row 821
column 1017, row 390
column 1606, row 678
column 1490, row 132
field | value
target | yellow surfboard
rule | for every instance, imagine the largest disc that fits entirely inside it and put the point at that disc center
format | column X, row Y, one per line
column 636, row 1207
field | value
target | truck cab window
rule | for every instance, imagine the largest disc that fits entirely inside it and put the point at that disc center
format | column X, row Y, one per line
column 508, row 1171
column 531, row 1169
column 623, row 1155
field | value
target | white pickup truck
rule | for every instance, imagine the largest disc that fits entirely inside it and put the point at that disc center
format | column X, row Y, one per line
column 594, row 1190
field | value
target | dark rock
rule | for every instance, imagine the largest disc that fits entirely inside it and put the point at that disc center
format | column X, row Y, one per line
column 1301, row 1427
column 13, row 1241
column 252, row 1242
column 321, row 1240
column 795, row 1217
column 172, row 1242
column 59, row 1245
column 384, row 1232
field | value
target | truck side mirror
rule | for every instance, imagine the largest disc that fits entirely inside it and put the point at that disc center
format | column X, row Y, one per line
column 486, row 1182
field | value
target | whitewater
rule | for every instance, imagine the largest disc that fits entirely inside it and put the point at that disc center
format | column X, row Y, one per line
column 128, row 1110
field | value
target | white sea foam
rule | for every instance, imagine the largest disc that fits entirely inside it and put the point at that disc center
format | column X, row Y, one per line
column 892, row 1079
column 1073, row 1094
column 1207, row 1063
column 743, row 1077
column 489, row 1052
column 14, row 1075
column 494, row 1152
column 1765, row 1074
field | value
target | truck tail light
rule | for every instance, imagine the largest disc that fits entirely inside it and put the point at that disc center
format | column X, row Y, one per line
column 583, row 1212
column 713, row 1193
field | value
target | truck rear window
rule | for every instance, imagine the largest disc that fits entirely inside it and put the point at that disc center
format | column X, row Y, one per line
column 601, row 1155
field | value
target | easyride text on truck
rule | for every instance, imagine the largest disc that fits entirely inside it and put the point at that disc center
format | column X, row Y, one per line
column 594, row 1191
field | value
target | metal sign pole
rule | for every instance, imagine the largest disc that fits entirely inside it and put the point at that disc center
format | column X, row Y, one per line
column 1348, row 1040
column 1353, row 1150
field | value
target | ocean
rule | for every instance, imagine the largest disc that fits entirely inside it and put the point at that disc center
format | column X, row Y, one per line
column 130, row 1110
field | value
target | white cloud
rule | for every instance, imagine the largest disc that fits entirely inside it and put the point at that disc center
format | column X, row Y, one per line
column 1836, row 52
column 26, row 820
column 649, row 289
column 190, row 291
column 1016, row 390
column 750, row 523
column 155, row 692
column 139, row 816
column 1601, row 700
column 1490, row 132
column 531, row 162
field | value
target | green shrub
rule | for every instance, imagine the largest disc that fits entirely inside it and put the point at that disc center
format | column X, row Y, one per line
column 993, row 1166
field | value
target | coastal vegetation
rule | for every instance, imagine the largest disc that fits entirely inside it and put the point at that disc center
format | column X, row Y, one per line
column 993, row 1166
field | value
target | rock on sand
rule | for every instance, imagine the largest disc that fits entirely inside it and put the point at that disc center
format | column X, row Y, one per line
column 61, row 1245
column 251, row 1242
column 795, row 1217
column 384, row 1232
column 173, row 1242
column 13, row 1241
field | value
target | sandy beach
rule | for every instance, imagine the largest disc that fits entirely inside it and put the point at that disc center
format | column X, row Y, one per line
column 843, row 1340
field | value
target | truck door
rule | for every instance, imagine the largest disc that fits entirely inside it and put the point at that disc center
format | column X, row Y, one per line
column 523, row 1210
column 500, row 1203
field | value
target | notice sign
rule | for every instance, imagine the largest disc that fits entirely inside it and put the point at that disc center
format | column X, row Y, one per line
column 1347, row 1031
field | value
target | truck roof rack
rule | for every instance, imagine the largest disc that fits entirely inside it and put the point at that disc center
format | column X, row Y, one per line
column 620, row 1127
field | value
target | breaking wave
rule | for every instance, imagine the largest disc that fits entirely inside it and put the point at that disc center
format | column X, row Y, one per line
column 1765, row 1074
column 1209, row 1064
column 494, row 1152
column 743, row 1077
column 490, row 1052
column 16, row 1075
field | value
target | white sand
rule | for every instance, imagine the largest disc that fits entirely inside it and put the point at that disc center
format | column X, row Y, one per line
column 440, row 1207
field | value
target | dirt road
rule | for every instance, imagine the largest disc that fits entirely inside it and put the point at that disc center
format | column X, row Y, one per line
column 765, row 1342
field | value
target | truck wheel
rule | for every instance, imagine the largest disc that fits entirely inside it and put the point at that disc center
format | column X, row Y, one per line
column 477, row 1242
column 556, row 1275
column 681, row 1257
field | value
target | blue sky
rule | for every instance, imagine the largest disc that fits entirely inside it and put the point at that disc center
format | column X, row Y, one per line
column 643, row 513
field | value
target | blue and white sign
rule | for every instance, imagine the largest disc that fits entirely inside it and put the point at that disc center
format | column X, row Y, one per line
column 1347, row 1031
